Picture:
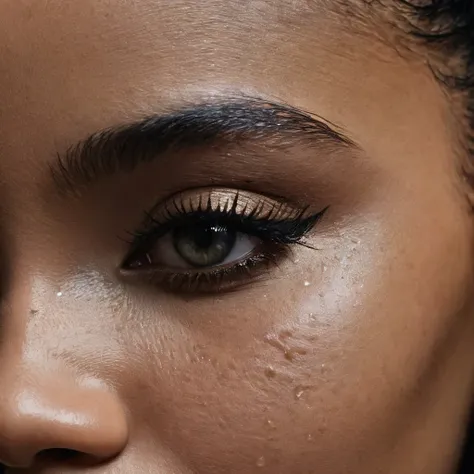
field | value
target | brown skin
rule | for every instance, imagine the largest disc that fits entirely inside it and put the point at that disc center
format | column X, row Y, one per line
column 367, row 368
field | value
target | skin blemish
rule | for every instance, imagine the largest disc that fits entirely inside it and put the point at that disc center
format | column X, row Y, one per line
column 282, row 343
column 299, row 393
column 271, row 425
column 270, row 372
column 300, row 390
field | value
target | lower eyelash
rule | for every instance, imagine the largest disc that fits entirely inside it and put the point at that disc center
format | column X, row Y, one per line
column 220, row 279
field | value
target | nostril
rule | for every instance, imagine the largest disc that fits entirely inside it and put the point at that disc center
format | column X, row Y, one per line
column 63, row 457
column 58, row 455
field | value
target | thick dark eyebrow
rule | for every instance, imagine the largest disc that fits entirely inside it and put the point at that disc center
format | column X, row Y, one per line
column 124, row 147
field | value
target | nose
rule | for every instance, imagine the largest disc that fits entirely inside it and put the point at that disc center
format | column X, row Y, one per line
column 45, row 418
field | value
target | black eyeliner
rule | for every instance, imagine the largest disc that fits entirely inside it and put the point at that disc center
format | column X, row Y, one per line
column 279, row 230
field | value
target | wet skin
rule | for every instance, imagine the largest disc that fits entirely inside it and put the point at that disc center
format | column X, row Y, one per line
column 292, row 138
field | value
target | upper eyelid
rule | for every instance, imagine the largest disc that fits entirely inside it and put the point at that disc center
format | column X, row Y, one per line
column 257, row 207
column 160, row 228
column 210, row 200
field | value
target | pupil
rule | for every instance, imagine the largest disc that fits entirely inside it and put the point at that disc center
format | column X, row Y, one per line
column 204, row 238
column 204, row 245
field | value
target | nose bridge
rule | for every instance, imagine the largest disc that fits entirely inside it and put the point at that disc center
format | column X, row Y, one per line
column 45, row 404
column 23, row 329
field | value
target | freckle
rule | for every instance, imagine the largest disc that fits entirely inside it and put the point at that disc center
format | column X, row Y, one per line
column 261, row 461
column 270, row 372
column 33, row 312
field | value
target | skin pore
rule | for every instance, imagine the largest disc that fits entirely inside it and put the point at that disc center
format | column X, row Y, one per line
column 337, row 335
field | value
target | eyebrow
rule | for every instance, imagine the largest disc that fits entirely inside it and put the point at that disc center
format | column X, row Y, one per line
column 123, row 148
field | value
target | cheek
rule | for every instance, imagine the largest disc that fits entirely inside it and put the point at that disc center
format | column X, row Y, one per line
column 233, row 385
column 235, row 398
column 330, row 355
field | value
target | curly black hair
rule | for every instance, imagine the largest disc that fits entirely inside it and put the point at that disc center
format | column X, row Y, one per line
column 445, row 29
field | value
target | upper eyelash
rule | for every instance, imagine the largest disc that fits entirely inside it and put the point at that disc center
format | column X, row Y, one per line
column 281, row 223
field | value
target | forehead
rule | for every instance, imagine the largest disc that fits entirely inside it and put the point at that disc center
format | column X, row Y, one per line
column 70, row 48
column 68, row 68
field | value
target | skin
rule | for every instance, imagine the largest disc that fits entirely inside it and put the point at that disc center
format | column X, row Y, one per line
column 354, row 356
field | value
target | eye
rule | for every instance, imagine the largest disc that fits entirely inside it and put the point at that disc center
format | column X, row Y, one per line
column 198, row 246
column 215, row 240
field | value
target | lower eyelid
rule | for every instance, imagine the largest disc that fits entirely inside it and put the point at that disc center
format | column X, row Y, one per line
column 216, row 279
column 239, row 275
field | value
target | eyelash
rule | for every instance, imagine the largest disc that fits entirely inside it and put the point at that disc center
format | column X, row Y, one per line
column 277, row 225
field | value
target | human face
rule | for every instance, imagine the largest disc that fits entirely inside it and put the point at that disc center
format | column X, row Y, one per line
column 297, row 293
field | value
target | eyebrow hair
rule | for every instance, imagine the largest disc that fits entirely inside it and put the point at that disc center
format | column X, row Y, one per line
column 124, row 147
